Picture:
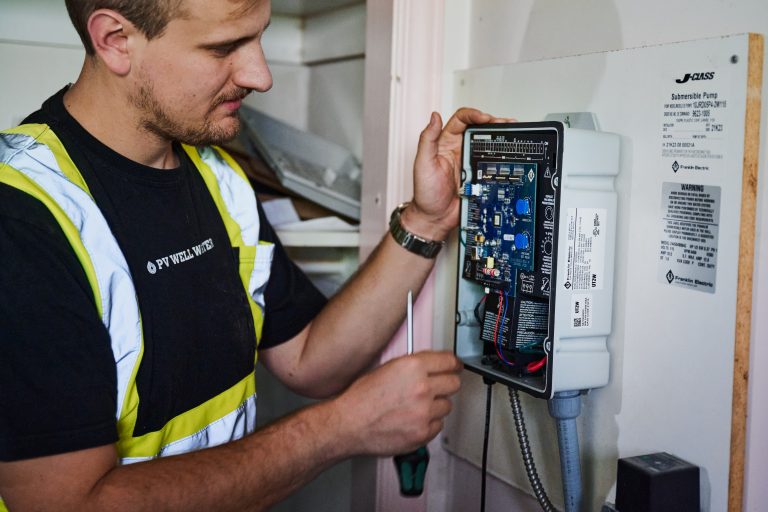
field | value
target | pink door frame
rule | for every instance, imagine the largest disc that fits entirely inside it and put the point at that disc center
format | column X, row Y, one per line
column 403, row 84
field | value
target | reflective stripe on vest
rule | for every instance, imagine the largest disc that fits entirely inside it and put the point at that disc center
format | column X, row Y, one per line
column 237, row 205
column 33, row 160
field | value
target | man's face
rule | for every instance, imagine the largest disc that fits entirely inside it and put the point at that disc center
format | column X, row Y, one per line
column 188, row 83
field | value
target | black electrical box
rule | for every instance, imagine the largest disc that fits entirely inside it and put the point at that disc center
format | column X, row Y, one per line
column 657, row 482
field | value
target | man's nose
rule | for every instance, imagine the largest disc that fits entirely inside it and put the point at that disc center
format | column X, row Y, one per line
column 252, row 71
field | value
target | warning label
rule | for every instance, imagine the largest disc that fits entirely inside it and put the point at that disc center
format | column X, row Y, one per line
column 690, row 217
column 585, row 268
column 531, row 319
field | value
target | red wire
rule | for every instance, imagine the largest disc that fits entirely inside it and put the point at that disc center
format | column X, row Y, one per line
column 534, row 366
column 496, row 330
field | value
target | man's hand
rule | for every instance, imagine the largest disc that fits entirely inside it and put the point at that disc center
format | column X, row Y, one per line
column 434, row 211
column 401, row 405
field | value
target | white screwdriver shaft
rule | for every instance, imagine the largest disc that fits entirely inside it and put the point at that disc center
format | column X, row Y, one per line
column 409, row 323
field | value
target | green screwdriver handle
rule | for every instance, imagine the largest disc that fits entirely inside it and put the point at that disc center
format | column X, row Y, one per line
column 411, row 471
column 411, row 467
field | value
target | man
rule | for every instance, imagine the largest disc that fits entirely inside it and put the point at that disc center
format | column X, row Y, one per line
column 138, row 278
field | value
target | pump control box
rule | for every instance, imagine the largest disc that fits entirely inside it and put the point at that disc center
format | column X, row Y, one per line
column 535, row 274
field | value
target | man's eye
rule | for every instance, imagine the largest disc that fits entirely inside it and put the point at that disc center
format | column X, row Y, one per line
column 223, row 51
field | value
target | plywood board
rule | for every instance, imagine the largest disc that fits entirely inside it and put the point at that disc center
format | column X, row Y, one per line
column 679, row 346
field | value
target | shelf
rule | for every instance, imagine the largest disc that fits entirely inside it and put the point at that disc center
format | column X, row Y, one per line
column 319, row 238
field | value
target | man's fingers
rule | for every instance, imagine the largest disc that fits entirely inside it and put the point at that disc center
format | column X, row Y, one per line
column 445, row 384
column 439, row 362
column 434, row 428
column 428, row 139
column 441, row 407
column 466, row 116
column 431, row 133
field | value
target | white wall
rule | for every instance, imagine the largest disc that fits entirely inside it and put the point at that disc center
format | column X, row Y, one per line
column 318, row 69
column 53, row 41
column 505, row 31
column 51, row 25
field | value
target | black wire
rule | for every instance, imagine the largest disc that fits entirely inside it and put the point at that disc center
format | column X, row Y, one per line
column 478, row 313
column 488, row 396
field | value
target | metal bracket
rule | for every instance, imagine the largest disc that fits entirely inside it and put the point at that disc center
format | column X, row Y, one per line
column 580, row 120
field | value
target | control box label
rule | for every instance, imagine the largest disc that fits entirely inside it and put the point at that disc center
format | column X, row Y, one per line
column 585, row 263
column 694, row 127
column 581, row 310
column 690, row 218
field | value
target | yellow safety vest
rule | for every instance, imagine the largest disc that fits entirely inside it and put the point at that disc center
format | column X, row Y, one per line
column 33, row 160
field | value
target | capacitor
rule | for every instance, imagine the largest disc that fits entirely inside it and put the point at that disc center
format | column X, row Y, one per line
column 522, row 207
column 522, row 241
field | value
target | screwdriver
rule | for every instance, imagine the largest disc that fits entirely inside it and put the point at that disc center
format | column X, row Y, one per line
column 411, row 467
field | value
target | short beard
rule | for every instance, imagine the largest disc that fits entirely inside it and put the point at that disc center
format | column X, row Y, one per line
column 156, row 120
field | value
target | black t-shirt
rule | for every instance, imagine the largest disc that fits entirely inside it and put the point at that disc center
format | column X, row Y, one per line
column 57, row 371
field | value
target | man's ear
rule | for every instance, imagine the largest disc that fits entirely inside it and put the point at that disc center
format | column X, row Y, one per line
column 110, row 33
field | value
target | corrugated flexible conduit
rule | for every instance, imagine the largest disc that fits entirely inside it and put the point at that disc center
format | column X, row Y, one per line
column 525, row 451
column 565, row 408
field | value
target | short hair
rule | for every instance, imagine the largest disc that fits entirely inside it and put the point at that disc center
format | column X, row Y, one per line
column 149, row 16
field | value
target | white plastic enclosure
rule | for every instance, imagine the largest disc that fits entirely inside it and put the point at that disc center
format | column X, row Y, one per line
column 538, row 224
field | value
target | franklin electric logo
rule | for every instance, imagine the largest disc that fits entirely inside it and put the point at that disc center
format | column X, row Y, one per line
column 696, row 76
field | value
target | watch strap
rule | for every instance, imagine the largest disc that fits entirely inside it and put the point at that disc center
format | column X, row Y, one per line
column 411, row 241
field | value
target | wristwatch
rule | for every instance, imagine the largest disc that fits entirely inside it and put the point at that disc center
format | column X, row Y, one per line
column 410, row 241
